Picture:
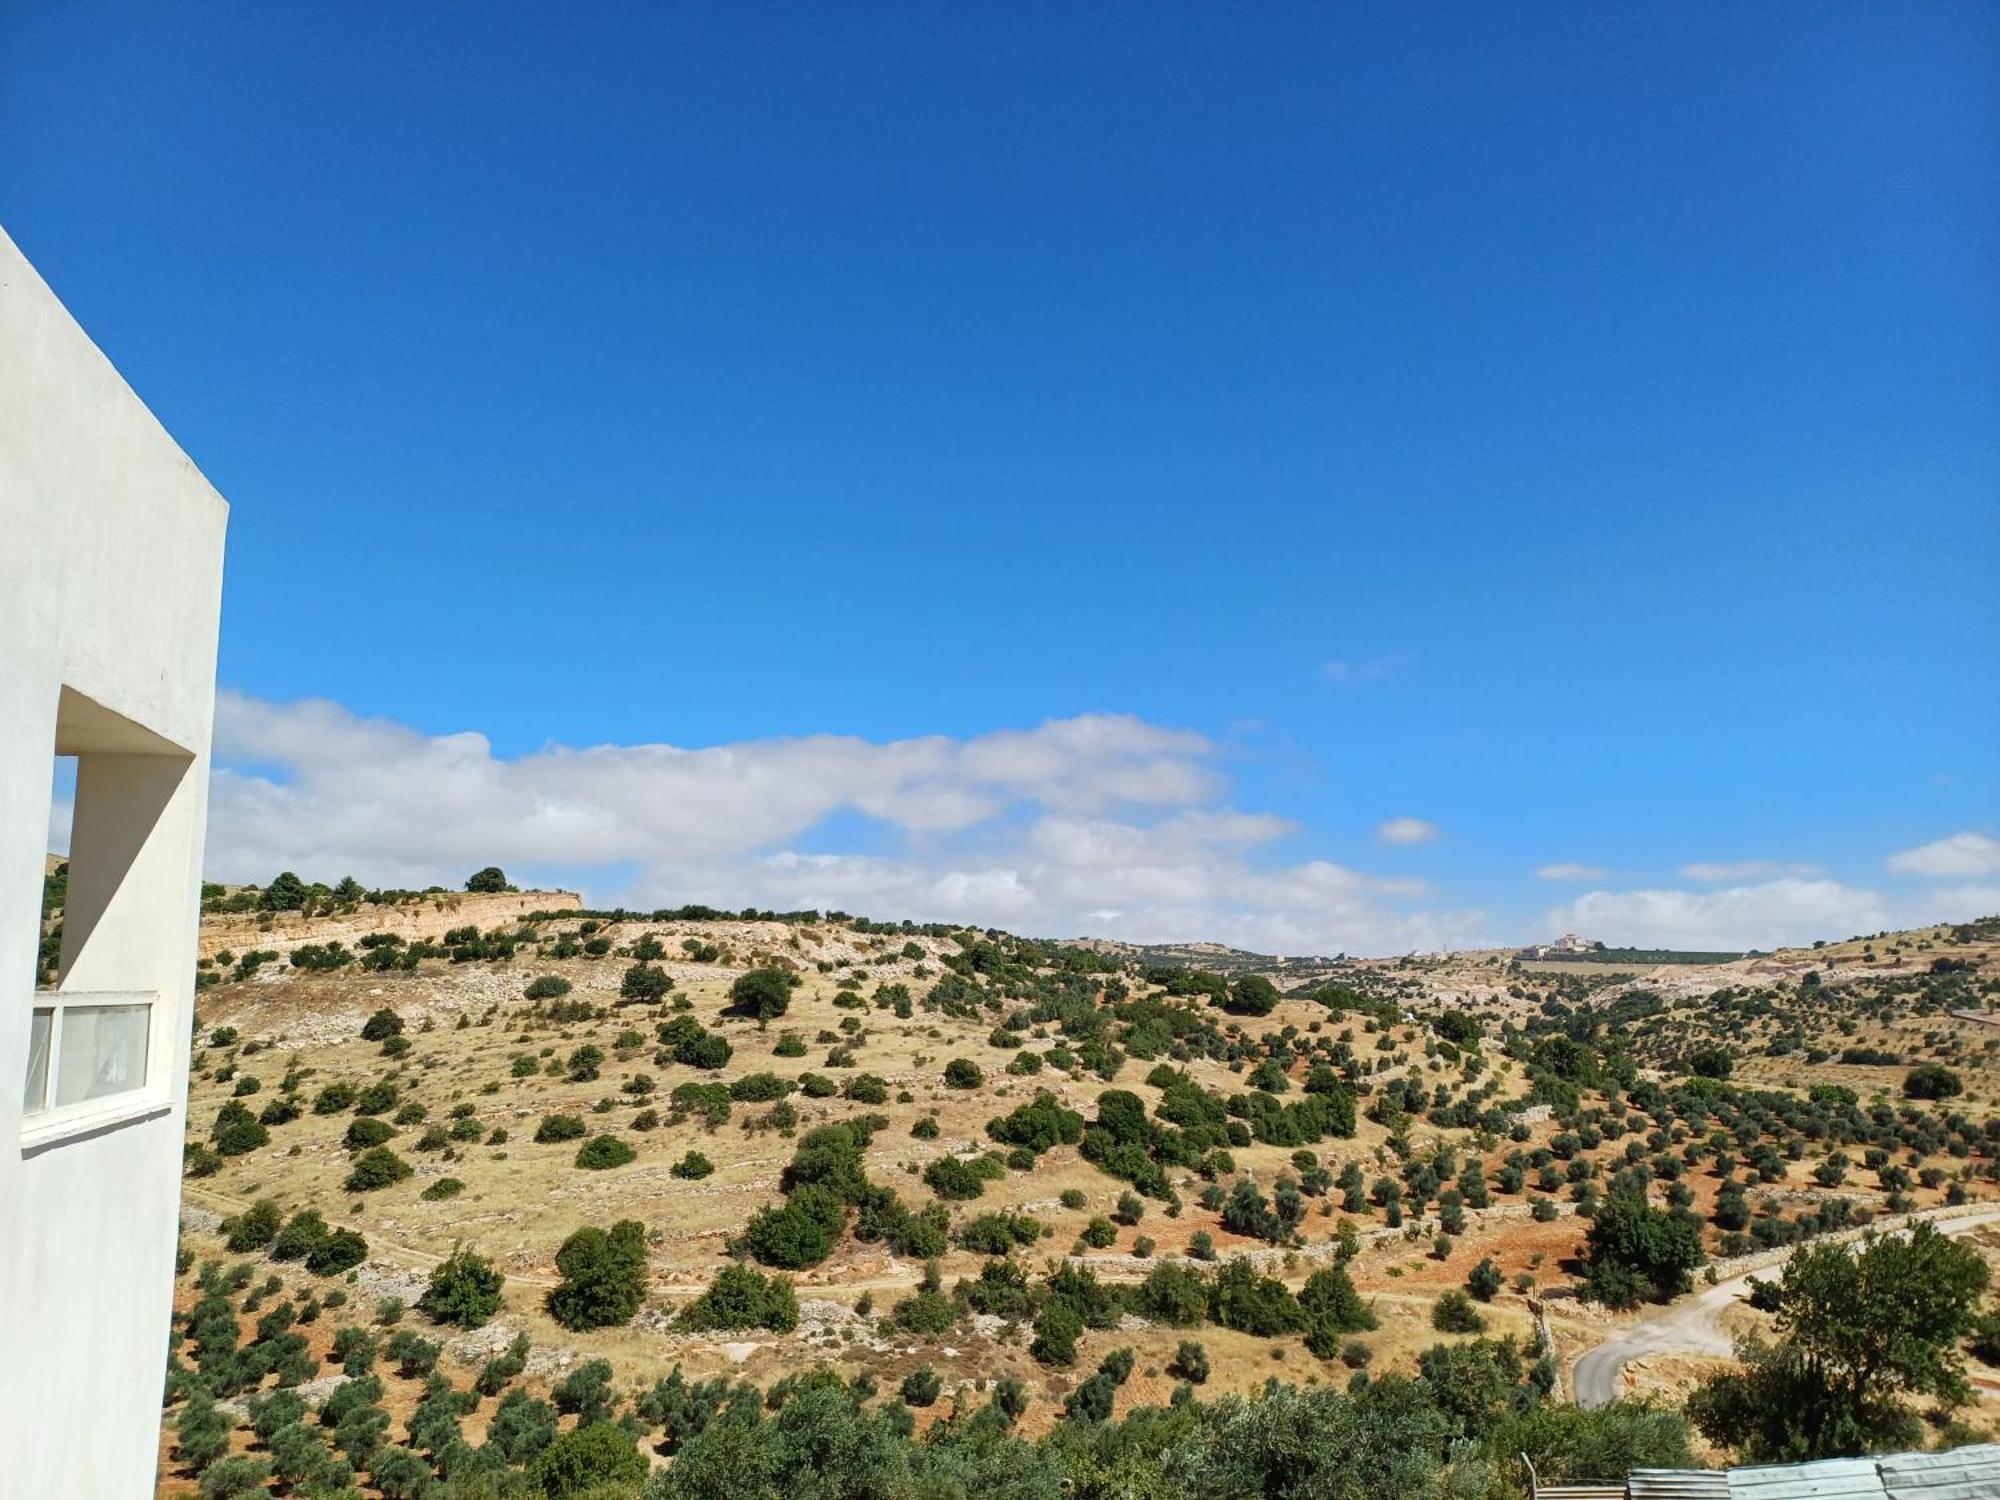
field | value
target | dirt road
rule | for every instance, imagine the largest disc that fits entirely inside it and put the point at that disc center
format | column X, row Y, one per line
column 1693, row 1324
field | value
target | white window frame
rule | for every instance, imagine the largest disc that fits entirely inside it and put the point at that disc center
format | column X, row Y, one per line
column 44, row 1123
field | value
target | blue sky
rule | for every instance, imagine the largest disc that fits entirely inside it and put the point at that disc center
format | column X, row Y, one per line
column 1571, row 431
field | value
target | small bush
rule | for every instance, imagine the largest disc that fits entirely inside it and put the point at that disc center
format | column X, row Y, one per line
column 367, row 1131
column 763, row 993
column 953, row 1179
column 379, row 1027
column 557, row 1128
column 254, row 1228
column 378, row 1167
column 693, row 1167
column 760, row 1088
column 1484, row 1280
column 604, row 1152
column 866, row 1088
column 597, row 1457
column 1454, row 1313
column 963, row 1073
column 1190, row 1363
column 338, row 1253
column 464, row 1291
column 604, row 1277
column 739, row 1297
column 302, row 1231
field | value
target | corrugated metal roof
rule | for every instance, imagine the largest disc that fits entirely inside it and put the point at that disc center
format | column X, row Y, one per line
column 1678, row 1484
column 1962, row 1474
column 1829, row 1479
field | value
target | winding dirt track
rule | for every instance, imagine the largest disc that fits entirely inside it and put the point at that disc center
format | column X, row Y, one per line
column 1693, row 1324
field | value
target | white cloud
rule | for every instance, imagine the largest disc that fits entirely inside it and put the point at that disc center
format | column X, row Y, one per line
column 1772, row 914
column 1955, row 903
column 62, row 811
column 1566, row 871
column 1961, row 854
column 1366, row 669
column 1100, row 824
column 1407, row 831
column 1747, row 870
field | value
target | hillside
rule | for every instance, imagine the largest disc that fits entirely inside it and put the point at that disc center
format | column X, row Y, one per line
column 979, row 1166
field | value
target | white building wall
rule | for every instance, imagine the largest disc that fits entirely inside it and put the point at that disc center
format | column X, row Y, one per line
column 110, row 589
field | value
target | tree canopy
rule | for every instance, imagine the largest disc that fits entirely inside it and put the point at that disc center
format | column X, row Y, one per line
column 1859, row 1329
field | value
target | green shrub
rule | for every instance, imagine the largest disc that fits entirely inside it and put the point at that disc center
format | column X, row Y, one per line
column 998, row 1233
column 334, row 1099
column 593, row 1457
column 739, row 1297
column 366, row 1131
column 1484, row 1280
column 302, row 1231
column 558, row 1128
column 378, row 1167
column 604, row 1277
column 1190, row 1363
column 709, row 1100
column 694, row 1166
column 522, row 1427
column 645, row 983
column 1057, row 1329
column 963, row 1073
column 708, row 1052
column 764, row 994
column 1454, row 1313
column 604, row 1152
column 1251, row 1303
column 866, row 1088
column 464, row 1290
column 237, row 1132
column 760, row 1088
column 379, row 1027
column 254, row 1228
column 415, row 1355
column 339, row 1252
column 1932, row 1081
column 234, row 1477
column 951, row 1178
column 798, row 1234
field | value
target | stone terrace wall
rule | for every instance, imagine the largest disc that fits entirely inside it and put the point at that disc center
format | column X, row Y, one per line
column 427, row 917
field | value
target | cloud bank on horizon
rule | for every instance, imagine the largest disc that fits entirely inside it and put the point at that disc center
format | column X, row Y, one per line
column 1102, row 824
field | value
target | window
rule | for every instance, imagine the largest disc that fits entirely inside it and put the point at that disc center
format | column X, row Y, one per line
column 83, row 1047
column 105, row 972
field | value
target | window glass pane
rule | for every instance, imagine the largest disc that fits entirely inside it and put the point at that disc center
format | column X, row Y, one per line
column 103, row 1051
column 36, row 1096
